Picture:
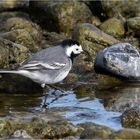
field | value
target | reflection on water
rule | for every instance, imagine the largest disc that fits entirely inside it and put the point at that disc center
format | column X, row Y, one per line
column 121, row 98
column 18, row 102
column 87, row 110
column 102, row 107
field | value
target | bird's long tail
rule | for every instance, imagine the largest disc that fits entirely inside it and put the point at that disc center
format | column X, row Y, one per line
column 9, row 71
column 20, row 72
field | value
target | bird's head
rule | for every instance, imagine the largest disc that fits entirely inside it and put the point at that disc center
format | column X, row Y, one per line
column 72, row 48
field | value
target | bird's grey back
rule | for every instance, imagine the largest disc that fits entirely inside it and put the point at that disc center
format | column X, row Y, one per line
column 49, row 55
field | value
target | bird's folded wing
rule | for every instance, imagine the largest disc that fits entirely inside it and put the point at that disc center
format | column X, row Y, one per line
column 38, row 65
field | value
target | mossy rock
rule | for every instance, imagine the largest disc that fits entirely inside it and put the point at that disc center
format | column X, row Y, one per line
column 117, row 8
column 114, row 27
column 63, row 14
column 131, row 118
column 13, row 4
column 22, row 31
column 92, row 39
column 133, row 26
column 11, row 53
column 94, row 131
column 126, row 134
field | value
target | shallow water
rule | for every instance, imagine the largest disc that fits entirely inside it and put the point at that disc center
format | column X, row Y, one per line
column 100, row 106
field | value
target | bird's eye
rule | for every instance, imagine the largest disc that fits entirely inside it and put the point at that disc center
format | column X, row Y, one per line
column 77, row 49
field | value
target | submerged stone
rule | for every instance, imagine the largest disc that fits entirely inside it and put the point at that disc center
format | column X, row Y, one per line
column 94, row 131
column 126, row 134
column 131, row 118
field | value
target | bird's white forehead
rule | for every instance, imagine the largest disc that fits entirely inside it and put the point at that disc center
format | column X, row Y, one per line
column 70, row 49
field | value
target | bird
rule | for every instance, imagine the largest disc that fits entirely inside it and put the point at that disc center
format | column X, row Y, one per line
column 51, row 65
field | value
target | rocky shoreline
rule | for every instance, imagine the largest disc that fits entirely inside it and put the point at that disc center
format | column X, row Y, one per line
column 28, row 26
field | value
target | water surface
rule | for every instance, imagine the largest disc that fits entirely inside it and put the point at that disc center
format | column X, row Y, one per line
column 99, row 106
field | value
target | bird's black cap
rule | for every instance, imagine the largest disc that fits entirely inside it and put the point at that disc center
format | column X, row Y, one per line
column 69, row 42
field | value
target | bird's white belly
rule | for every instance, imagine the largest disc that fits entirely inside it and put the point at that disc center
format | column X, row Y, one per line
column 61, row 76
column 45, row 78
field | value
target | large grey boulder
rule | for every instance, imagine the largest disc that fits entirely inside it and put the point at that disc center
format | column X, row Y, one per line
column 121, row 60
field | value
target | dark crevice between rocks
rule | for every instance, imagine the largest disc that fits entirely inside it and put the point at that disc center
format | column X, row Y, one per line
column 46, row 21
column 96, row 8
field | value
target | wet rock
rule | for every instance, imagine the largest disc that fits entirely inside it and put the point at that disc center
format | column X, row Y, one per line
column 5, row 129
column 126, row 134
column 71, row 78
column 12, row 83
column 105, row 82
column 121, row 60
column 131, row 118
column 59, row 131
column 93, row 131
column 21, row 134
column 95, row 21
column 82, row 65
column 114, row 27
column 9, row 14
column 120, row 98
column 11, row 53
column 37, row 128
column 133, row 26
column 53, row 38
column 85, row 90
column 121, row 8
column 63, row 15
column 22, row 31
column 13, row 4
column 92, row 39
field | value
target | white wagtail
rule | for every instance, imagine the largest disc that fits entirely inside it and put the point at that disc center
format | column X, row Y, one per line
column 50, row 65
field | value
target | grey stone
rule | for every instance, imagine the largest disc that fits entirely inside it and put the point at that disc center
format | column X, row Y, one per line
column 121, row 60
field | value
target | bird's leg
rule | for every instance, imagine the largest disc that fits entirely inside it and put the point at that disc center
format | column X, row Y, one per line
column 45, row 93
column 56, row 88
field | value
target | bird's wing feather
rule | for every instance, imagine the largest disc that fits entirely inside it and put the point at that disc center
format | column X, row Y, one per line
column 36, row 65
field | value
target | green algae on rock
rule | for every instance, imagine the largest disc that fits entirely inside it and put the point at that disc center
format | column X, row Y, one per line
column 91, row 38
column 11, row 53
column 114, row 27
column 63, row 14
column 126, row 134
column 22, row 31
column 133, row 26
column 13, row 4
column 115, row 8
column 131, row 118
column 38, row 128
column 94, row 131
